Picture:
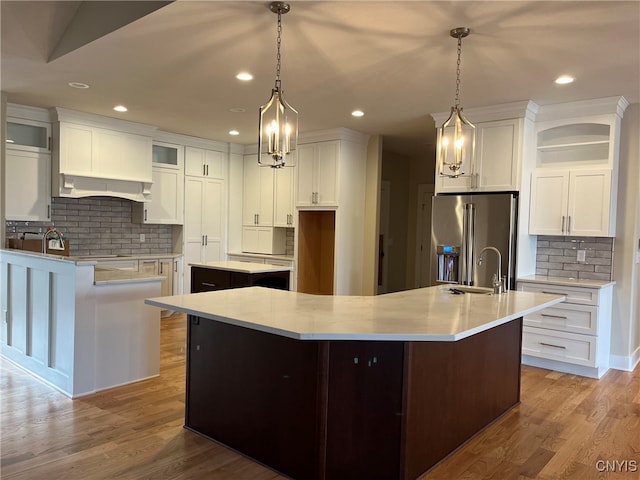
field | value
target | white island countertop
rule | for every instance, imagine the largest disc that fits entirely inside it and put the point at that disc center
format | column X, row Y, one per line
column 425, row 314
column 242, row 267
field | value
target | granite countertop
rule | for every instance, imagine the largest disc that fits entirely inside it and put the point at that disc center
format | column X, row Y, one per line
column 425, row 314
column 107, row 276
column 566, row 282
column 242, row 267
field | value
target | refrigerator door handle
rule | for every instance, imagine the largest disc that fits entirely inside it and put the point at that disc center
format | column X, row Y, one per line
column 468, row 233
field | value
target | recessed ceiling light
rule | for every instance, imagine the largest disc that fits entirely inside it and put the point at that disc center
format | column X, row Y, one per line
column 234, row 132
column 244, row 76
column 120, row 108
column 238, row 110
column 357, row 113
column 78, row 85
column 564, row 79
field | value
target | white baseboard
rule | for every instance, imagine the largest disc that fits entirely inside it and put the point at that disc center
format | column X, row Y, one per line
column 628, row 364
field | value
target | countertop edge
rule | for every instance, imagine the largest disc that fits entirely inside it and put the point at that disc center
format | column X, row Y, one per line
column 566, row 282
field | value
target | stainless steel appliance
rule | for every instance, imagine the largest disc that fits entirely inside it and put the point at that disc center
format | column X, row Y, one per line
column 462, row 225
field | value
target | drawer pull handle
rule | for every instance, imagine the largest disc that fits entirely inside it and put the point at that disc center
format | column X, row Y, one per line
column 556, row 293
column 553, row 316
column 209, row 284
column 552, row 345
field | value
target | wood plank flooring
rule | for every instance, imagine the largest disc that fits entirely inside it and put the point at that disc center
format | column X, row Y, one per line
column 564, row 426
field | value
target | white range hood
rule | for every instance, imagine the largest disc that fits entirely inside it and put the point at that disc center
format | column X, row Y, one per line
column 101, row 156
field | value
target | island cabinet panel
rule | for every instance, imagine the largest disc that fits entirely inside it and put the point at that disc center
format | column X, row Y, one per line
column 352, row 409
column 455, row 389
column 212, row 279
column 364, row 410
column 256, row 393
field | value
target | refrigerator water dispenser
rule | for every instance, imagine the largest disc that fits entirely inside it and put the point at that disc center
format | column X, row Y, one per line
column 448, row 260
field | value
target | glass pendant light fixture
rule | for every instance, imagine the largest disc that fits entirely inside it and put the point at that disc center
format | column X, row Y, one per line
column 278, row 124
column 457, row 135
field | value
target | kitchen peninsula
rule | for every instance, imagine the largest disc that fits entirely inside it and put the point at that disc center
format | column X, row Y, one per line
column 325, row 387
column 77, row 326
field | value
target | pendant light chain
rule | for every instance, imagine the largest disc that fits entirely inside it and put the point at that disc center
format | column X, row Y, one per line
column 457, row 101
column 279, row 41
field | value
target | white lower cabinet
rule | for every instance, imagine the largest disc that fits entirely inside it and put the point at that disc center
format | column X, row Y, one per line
column 573, row 336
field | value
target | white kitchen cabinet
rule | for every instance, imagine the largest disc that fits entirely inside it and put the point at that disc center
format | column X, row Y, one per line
column 571, row 202
column 317, row 174
column 268, row 240
column 257, row 193
column 167, row 191
column 27, row 185
column 28, row 129
column 572, row 336
column 97, row 155
column 200, row 162
column 28, row 135
column 149, row 266
column 573, row 188
column 283, row 208
column 203, row 223
column 165, row 269
column 501, row 138
column 125, row 264
column 496, row 166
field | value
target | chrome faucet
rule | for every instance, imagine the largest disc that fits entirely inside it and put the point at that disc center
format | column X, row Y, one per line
column 498, row 285
column 46, row 236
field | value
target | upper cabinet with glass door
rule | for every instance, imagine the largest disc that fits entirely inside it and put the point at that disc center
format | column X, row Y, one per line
column 28, row 129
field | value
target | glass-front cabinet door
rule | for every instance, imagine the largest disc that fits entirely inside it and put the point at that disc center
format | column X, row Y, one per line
column 28, row 135
column 167, row 155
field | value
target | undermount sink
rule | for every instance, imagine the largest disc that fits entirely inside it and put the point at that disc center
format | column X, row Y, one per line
column 469, row 289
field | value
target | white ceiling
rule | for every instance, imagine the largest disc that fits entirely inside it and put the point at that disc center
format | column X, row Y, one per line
column 174, row 68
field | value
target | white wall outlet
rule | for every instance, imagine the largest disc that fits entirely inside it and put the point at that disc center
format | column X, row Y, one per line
column 142, row 238
column 582, row 255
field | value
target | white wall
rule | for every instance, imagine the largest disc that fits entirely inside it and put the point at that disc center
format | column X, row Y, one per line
column 625, row 328
column 235, row 185
column 372, row 216
column 3, row 135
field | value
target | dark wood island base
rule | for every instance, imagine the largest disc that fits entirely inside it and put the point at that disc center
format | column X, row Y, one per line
column 344, row 409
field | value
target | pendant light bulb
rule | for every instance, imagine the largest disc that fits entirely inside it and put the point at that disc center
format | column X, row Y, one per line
column 456, row 136
column 278, row 121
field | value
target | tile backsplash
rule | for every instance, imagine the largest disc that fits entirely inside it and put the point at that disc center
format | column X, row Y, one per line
column 99, row 226
column 558, row 257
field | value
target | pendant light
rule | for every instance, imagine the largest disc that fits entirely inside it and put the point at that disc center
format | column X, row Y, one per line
column 456, row 136
column 278, row 124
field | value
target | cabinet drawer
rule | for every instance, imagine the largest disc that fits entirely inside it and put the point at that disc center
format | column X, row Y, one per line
column 566, row 317
column 562, row 346
column 207, row 280
column 585, row 296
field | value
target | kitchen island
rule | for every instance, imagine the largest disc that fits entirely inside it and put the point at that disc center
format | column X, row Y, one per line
column 78, row 327
column 212, row 276
column 332, row 387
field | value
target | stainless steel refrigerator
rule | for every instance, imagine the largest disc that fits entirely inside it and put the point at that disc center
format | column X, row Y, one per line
column 462, row 225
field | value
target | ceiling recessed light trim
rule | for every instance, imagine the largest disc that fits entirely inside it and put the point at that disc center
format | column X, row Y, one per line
column 234, row 132
column 78, row 85
column 564, row 80
column 238, row 110
column 120, row 108
column 244, row 76
column 357, row 113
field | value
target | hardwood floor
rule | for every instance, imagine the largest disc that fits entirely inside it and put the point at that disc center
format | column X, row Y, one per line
column 564, row 426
